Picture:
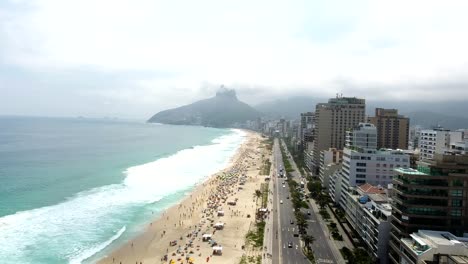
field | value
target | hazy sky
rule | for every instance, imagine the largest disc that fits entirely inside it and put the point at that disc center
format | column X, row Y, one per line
column 133, row 58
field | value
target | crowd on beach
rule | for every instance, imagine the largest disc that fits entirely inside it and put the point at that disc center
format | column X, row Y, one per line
column 211, row 222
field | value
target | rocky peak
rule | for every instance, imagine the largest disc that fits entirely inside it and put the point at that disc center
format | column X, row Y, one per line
column 226, row 93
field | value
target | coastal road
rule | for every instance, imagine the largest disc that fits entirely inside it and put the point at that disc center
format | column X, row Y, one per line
column 286, row 248
column 322, row 246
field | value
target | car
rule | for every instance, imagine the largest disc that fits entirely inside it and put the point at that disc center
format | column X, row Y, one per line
column 281, row 201
column 287, row 197
column 308, row 212
column 289, row 244
column 284, row 186
column 291, row 221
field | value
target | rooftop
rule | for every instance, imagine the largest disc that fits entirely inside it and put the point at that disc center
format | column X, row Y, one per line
column 446, row 242
column 409, row 171
column 371, row 189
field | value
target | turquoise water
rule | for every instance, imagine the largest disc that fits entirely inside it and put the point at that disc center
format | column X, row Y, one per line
column 73, row 189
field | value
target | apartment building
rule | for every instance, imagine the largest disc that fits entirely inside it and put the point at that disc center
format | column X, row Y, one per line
column 392, row 128
column 437, row 141
column 368, row 211
column 362, row 136
column 435, row 197
column 332, row 119
column 329, row 163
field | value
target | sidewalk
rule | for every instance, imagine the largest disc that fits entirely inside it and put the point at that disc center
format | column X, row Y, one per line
column 346, row 242
column 268, row 235
column 333, row 245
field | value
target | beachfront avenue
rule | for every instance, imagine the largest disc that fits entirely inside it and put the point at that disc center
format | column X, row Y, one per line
column 286, row 244
column 285, row 247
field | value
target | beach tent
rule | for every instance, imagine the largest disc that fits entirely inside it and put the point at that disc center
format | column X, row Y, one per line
column 206, row 237
column 218, row 250
column 219, row 226
column 221, row 213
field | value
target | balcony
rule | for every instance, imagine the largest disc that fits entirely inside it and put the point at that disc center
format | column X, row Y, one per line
column 421, row 193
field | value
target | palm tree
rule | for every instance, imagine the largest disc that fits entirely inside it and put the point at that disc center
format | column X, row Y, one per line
column 308, row 239
column 257, row 194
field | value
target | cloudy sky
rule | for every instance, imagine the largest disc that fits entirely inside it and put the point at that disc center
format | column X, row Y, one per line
column 133, row 58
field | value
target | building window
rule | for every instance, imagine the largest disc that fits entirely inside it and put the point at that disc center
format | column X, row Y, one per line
column 360, row 176
column 456, row 212
column 360, row 181
column 360, row 170
column 360, row 164
column 456, row 203
column 457, row 182
column 457, row 193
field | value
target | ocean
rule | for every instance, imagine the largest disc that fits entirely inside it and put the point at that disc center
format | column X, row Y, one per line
column 71, row 190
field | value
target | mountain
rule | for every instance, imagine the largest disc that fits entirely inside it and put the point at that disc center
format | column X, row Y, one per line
column 222, row 110
column 428, row 119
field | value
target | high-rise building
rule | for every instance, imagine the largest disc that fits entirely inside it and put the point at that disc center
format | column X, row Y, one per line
column 307, row 125
column 437, row 141
column 332, row 119
column 392, row 128
column 434, row 197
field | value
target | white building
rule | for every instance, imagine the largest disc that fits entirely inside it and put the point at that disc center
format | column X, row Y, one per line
column 368, row 211
column 374, row 167
column 363, row 136
column 427, row 246
column 329, row 160
column 437, row 141
column 334, row 187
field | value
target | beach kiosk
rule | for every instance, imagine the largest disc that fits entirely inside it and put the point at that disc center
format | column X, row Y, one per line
column 206, row 237
column 217, row 250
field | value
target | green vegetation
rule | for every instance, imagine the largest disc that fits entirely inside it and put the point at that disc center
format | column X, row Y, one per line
column 264, row 188
column 256, row 237
column 265, row 170
column 315, row 188
column 325, row 215
column 308, row 240
column 340, row 215
column 287, row 164
column 358, row 256
column 257, row 194
column 297, row 155
column 309, row 255
column 334, row 231
column 243, row 260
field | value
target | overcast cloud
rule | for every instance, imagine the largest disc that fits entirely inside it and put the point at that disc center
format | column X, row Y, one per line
column 133, row 58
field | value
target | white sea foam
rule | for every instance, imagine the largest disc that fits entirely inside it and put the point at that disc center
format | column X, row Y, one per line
column 92, row 251
column 78, row 228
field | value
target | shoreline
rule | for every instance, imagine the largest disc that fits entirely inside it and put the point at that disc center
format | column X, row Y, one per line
column 176, row 221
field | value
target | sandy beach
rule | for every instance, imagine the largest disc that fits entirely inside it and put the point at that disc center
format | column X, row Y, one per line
column 221, row 210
